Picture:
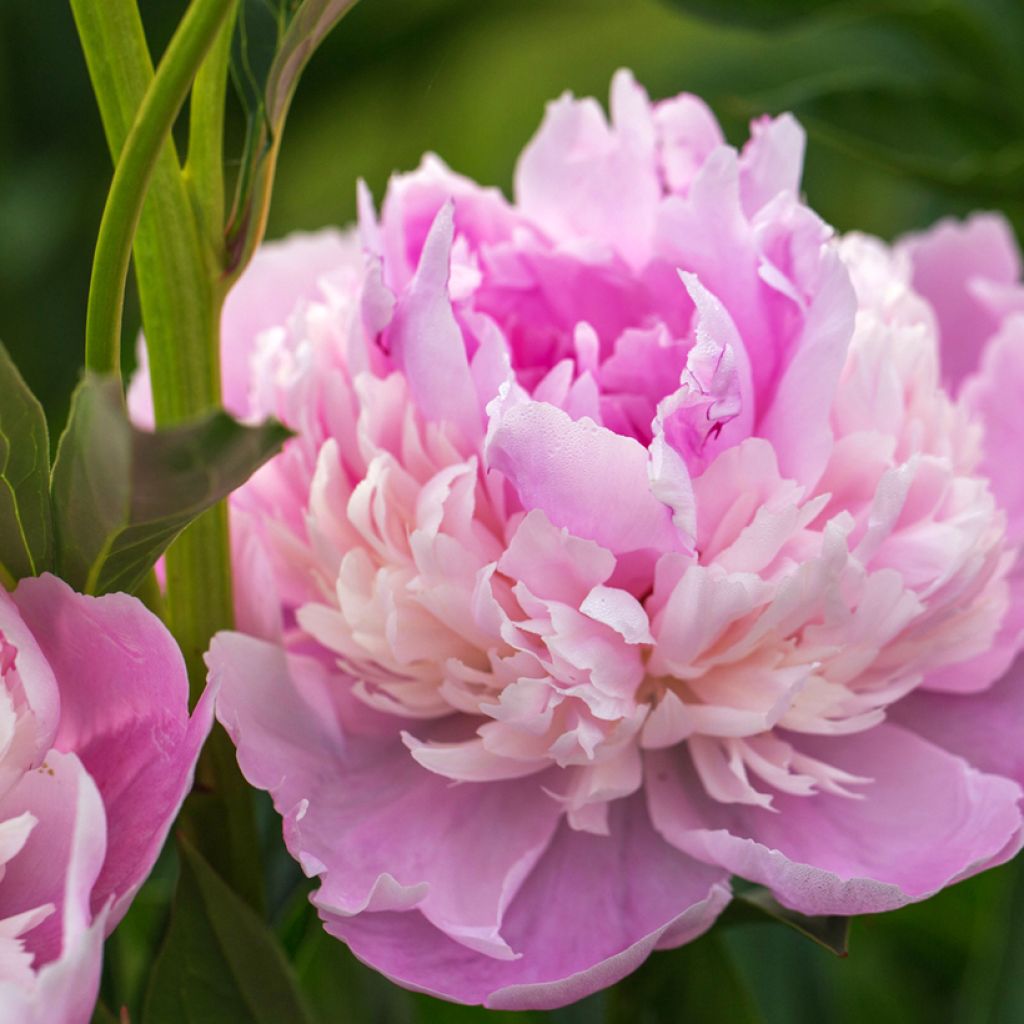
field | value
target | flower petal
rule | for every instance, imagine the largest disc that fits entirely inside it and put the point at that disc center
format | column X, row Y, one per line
column 580, row 922
column 949, row 261
column 124, row 712
column 584, row 477
column 927, row 819
column 383, row 832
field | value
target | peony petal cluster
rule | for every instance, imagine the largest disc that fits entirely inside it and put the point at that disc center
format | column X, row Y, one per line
column 97, row 752
column 637, row 534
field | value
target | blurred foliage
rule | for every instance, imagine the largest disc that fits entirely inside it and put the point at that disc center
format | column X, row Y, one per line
column 915, row 110
column 935, row 86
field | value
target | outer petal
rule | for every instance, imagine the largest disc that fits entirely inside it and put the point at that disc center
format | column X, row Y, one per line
column 581, row 921
column 36, row 675
column 65, row 990
column 383, row 832
column 61, row 860
column 927, row 819
column 124, row 712
column 772, row 161
column 577, row 174
column 994, row 394
column 281, row 275
column 586, row 478
column 950, row 260
column 985, row 728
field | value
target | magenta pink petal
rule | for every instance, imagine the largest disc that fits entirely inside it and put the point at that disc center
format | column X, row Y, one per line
column 61, row 861
column 124, row 712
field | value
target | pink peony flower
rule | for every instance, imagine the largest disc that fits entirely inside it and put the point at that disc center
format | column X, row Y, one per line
column 638, row 533
column 96, row 755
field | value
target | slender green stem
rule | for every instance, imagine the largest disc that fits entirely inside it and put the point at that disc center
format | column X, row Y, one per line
column 204, row 170
column 153, row 124
column 120, row 68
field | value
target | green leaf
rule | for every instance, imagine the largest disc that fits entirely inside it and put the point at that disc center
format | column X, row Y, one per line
column 699, row 981
column 753, row 903
column 859, row 73
column 757, row 13
column 26, row 526
column 334, row 983
column 103, row 1015
column 121, row 495
column 220, row 962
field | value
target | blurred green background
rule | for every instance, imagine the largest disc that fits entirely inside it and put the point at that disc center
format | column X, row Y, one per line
column 915, row 110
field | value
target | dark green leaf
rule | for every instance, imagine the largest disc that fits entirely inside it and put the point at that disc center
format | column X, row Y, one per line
column 220, row 962
column 103, row 1015
column 753, row 903
column 26, row 527
column 699, row 982
column 335, row 984
column 859, row 72
column 121, row 495
column 758, row 13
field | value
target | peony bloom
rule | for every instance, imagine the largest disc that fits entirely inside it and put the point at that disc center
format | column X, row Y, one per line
column 637, row 534
column 96, row 755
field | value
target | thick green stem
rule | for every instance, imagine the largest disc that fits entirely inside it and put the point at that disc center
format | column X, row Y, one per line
column 172, row 272
column 178, row 258
column 152, row 126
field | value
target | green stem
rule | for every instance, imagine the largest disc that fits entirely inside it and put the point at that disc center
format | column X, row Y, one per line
column 204, row 170
column 178, row 247
column 121, row 214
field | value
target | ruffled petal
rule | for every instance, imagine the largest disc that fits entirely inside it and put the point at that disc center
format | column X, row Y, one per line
column 925, row 820
column 579, row 923
column 381, row 831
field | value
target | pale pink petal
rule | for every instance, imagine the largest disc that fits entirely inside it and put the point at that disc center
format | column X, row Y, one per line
column 985, row 728
column 993, row 394
column 427, row 344
column 578, row 173
column 381, row 831
column 579, row 923
column 925, row 820
column 35, row 674
column 584, row 477
column 949, row 261
column 687, row 134
column 61, row 860
column 772, row 161
column 797, row 421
